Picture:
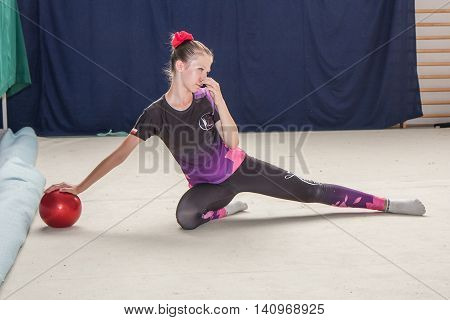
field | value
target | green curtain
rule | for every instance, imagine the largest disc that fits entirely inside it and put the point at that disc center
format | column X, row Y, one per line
column 14, row 71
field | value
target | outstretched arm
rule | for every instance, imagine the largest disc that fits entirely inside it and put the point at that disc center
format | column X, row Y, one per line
column 113, row 160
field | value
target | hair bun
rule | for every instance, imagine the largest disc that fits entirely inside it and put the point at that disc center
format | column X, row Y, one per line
column 180, row 37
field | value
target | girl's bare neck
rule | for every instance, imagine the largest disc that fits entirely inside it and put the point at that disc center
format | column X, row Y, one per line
column 179, row 98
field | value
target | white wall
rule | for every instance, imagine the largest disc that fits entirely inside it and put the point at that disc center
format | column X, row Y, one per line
column 428, row 57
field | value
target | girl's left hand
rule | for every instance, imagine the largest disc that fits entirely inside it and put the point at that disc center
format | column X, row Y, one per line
column 213, row 87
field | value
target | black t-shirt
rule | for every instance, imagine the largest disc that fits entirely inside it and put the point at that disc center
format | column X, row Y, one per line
column 192, row 138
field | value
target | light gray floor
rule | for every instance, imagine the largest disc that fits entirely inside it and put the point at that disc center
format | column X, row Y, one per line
column 127, row 244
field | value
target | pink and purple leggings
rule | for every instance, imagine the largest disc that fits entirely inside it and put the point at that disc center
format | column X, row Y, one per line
column 205, row 202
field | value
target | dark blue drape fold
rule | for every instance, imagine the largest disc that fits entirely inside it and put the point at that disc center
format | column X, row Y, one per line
column 284, row 65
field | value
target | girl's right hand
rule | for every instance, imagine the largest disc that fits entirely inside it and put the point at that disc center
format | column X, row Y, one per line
column 63, row 187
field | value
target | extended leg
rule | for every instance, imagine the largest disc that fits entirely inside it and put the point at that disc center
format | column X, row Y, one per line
column 261, row 177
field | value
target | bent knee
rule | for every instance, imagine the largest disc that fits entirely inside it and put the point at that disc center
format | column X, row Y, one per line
column 188, row 219
column 187, row 225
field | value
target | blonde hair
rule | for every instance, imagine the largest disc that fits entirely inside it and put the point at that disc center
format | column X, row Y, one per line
column 184, row 52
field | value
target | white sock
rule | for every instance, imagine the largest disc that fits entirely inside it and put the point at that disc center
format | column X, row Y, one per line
column 235, row 207
column 406, row 206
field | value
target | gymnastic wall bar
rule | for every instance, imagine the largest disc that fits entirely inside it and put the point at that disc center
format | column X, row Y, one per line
column 443, row 63
column 433, row 50
column 436, row 64
column 434, row 76
column 433, row 37
column 435, row 102
column 432, row 10
column 434, row 89
column 433, row 24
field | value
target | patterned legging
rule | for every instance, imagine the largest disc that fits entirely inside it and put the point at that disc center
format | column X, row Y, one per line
column 205, row 202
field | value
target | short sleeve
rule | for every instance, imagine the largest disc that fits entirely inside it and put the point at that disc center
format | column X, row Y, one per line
column 145, row 126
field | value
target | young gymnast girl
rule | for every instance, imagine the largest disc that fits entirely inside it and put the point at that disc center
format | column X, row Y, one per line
column 193, row 120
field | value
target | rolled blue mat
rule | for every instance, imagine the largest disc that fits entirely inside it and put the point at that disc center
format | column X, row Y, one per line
column 21, row 188
column 22, row 144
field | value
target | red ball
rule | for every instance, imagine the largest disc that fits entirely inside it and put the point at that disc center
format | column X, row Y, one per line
column 60, row 209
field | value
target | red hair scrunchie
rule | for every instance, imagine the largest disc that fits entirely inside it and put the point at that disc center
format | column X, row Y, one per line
column 180, row 37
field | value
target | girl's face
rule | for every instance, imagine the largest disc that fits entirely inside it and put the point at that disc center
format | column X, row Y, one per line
column 194, row 71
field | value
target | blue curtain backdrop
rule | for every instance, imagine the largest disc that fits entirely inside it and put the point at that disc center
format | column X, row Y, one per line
column 282, row 65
